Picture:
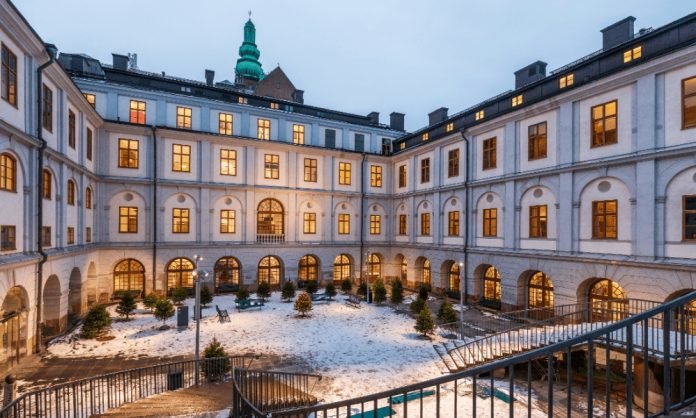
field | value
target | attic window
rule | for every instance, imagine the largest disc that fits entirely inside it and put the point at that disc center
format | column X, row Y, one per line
column 480, row 114
column 517, row 100
column 275, row 105
column 567, row 80
column 633, row 54
column 402, row 145
column 242, row 100
column 426, row 136
column 449, row 127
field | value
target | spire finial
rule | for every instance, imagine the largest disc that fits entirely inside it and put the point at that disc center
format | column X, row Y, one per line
column 249, row 14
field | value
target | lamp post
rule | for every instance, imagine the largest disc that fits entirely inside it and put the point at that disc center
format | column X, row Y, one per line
column 367, row 276
column 197, row 276
column 461, row 298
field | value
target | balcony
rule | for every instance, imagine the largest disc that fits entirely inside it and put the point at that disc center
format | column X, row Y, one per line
column 270, row 238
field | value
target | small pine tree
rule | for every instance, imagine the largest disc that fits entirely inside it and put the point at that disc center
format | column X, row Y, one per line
column 215, row 363
column 206, row 296
column 330, row 290
column 346, row 285
column 126, row 306
column 178, row 295
column 164, row 310
column 424, row 322
column 380, row 292
column 303, row 303
column 312, row 286
column 362, row 289
column 96, row 321
column 397, row 292
column 288, row 291
column 446, row 314
column 423, row 290
column 263, row 291
column 150, row 301
column 243, row 293
column 417, row 305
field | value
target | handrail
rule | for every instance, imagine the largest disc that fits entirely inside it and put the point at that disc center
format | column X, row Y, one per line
column 665, row 310
column 258, row 392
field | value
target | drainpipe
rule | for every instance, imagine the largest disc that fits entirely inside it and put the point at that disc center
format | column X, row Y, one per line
column 362, row 213
column 466, row 219
column 51, row 50
column 154, row 207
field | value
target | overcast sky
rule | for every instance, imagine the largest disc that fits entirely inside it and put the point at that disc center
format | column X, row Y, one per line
column 356, row 56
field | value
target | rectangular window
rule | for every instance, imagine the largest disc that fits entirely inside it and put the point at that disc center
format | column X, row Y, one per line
column 90, row 144
column 91, row 99
column 689, row 103
column 298, row 134
column 605, row 219
column 330, row 138
column 344, row 223
column 137, row 112
column 425, row 136
column 453, row 163
column 386, row 146
column 344, row 174
column 71, row 235
column 228, row 162
column 88, row 234
column 180, row 221
column 604, row 124
column 517, row 100
column 127, row 220
column 453, row 223
column 633, row 54
column 449, row 127
column 128, row 153
column 71, row 193
column 8, row 78
column 263, row 129
column 689, row 217
column 425, row 170
column 181, row 158
column 242, row 100
column 271, row 166
column 183, row 117
column 274, row 105
column 490, row 222
column 375, row 224
column 310, row 170
column 376, row 175
column 310, row 223
column 46, row 236
column 402, row 146
column 425, row 223
column 536, row 141
column 227, row 221
column 402, row 224
column 8, row 238
column 72, row 130
column 47, row 184
column 489, row 153
column 402, row 176
column 359, row 142
column 537, row 221
column 225, row 123
column 567, row 81
column 47, row 108
column 480, row 115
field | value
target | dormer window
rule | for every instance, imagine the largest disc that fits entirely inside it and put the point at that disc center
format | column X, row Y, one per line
column 402, row 145
column 275, row 105
column 426, row 136
column 242, row 100
column 517, row 100
column 633, row 54
column 480, row 115
column 449, row 127
column 567, row 80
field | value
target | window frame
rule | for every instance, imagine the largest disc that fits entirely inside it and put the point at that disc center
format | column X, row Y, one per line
column 47, row 180
column 129, row 151
column 182, row 158
column 425, row 229
column 89, row 145
column 311, row 170
column 131, row 220
column 489, row 153
column 453, row 163
column 9, row 80
column 345, row 172
column 538, row 222
column 271, row 166
column 376, row 176
column 490, row 223
column 298, row 134
column 683, row 104
column 596, row 235
column 184, row 116
column 47, row 108
column 309, row 223
column 8, row 237
column 403, row 224
column 534, row 139
column 566, row 80
column 229, row 226
column 230, row 169
column 685, row 212
column 403, row 176
column 72, row 129
column 453, row 223
column 375, row 224
column 71, row 192
column 344, row 224
column 604, row 118
column 183, row 226
column 263, row 129
column 91, row 99
column 425, row 170
column 8, row 173
column 632, row 54
column 70, row 235
column 137, row 114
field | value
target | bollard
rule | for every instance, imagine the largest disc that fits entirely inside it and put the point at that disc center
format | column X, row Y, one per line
column 9, row 390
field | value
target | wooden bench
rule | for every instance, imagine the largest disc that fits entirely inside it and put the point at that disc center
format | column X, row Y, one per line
column 248, row 304
column 222, row 314
column 353, row 300
column 319, row 297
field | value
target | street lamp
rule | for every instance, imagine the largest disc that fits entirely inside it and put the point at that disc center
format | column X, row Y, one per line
column 367, row 276
column 198, row 275
column 461, row 298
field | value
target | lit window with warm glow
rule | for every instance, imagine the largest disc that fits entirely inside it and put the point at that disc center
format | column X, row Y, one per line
column 376, row 176
column 263, row 129
column 480, row 114
column 183, row 117
column 449, row 127
column 91, row 99
column 402, row 145
column 228, row 162
column 633, row 54
column 344, row 173
column 567, row 80
column 225, row 124
column 426, row 136
column 271, row 166
column 343, row 224
column 517, row 100
column 242, row 100
column 275, row 105
column 375, row 224
column 137, row 112
column 181, row 158
column 298, row 134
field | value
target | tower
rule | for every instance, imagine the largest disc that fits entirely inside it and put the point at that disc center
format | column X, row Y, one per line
column 248, row 69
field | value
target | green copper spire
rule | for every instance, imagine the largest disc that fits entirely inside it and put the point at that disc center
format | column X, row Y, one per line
column 248, row 64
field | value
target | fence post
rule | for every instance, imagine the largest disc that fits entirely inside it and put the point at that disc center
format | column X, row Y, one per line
column 9, row 390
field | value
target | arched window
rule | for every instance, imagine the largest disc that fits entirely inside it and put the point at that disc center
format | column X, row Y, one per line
column 47, row 184
column 226, row 273
column 454, row 277
column 374, row 266
column 342, row 268
column 129, row 275
column 270, row 223
column 71, row 193
column 491, row 285
column 88, row 198
column 607, row 301
column 8, row 173
column 269, row 270
column 180, row 273
column 309, row 268
column 540, row 291
column 427, row 278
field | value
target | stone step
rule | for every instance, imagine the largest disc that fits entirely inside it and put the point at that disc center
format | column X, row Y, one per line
column 446, row 358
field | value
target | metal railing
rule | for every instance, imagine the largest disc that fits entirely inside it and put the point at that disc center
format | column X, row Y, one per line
column 649, row 388
column 270, row 238
column 259, row 392
column 95, row 395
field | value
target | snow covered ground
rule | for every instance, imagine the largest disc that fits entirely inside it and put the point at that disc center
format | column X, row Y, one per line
column 360, row 351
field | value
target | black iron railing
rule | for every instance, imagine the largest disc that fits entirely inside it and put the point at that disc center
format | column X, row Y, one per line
column 653, row 382
column 95, row 395
column 258, row 392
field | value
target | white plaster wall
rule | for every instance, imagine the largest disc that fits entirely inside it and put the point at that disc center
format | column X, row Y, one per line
column 446, row 181
column 409, row 180
column 309, row 206
column 551, row 119
column 9, row 113
column 195, row 116
column 215, row 121
column 499, row 134
column 215, row 166
column 227, row 202
column 674, row 134
column 124, row 109
column 530, row 198
column 253, row 126
column 131, row 199
column 180, row 201
column 624, row 99
column 425, row 206
column 168, row 171
column 618, row 191
column 433, row 171
column 681, row 185
column 489, row 201
column 453, row 204
column 143, row 146
column 345, row 206
column 283, row 168
column 355, row 166
column 321, row 162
